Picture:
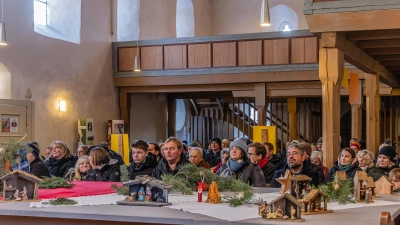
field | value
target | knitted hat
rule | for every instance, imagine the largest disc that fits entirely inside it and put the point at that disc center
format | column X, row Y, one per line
column 241, row 143
column 35, row 150
column 306, row 148
column 388, row 151
column 216, row 140
column 355, row 145
column 319, row 140
column 193, row 144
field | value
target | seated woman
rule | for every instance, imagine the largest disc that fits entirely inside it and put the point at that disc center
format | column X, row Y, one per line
column 103, row 167
column 80, row 170
column 239, row 165
column 365, row 160
column 81, row 151
column 224, row 159
column 196, row 158
column 316, row 159
column 384, row 163
column 61, row 159
column 345, row 164
column 36, row 165
column 394, row 176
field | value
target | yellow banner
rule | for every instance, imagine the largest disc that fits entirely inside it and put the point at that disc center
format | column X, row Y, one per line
column 345, row 81
column 120, row 144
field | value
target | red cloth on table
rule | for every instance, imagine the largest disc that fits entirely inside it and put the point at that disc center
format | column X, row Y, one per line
column 80, row 188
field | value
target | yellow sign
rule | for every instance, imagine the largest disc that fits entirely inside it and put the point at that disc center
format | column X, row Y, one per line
column 120, row 145
column 262, row 134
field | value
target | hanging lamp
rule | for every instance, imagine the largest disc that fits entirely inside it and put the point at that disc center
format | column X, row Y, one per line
column 3, row 40
column 136, row 66
column 265, row 20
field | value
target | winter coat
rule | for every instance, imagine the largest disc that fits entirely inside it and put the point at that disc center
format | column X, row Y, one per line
column 213, row 158
column 249, row 173
column 204, row 164
column 109, row 172
column 268, row 170
column 277, row 162
column 313, row 171
column 350, row 173
column 38, row 168
column 163, row 167
column 145, row 168
column 71, row 174
column 59, row 168
column 378, row 172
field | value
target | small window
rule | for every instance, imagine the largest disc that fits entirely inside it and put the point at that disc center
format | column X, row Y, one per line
column 40, row 12
column 285, row 26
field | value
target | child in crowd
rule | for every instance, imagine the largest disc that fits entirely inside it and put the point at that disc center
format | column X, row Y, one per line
column 80, row 170
column 394, row 176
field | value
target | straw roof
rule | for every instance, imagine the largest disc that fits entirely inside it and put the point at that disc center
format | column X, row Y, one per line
column 300, row 177
column 289, row 197
column 312, row 194
column 22, row 174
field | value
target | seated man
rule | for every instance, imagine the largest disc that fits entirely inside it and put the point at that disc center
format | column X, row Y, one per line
column 143, row 163
column 213, row 156
column 257, row 154
column 173, row 158
column 297, row 164
column 196, row 157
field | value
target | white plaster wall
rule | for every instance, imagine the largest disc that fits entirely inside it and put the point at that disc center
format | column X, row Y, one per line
column 238, row 16
column 128, row 12
column 57, row 70
column 5, row 82
column 64, row 17
column 202, row 17
column 157, row 19
column 148, row 118
column 184, row 18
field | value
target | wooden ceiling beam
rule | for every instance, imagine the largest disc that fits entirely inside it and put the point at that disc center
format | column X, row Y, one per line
column 188, row 88
column 379, row 43
column 391, row 63
column 357, row 57
column 387, row 57
column 382, row 51
column 373, row 34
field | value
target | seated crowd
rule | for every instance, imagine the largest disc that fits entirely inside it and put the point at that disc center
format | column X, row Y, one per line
column 254, row 163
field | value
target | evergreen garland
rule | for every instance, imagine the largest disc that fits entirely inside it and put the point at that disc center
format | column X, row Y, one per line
column 55, row 182
column 338, row 190
column 123, row 190
column 60, row 201
column 124, row 173
column 186, row 180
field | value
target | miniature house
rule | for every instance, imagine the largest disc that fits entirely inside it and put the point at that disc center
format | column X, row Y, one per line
column 360, row 185
column 283, row 203
column 18, row 180
column 312, row 202
column 341, row 175
column 300, row 186
column 161, row 196
column 371, row 184
column 384, row 186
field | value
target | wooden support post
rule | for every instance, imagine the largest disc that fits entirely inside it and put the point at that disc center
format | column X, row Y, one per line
column 261, row 104
column 331, row 65
column 292, row 110
column 356, row 121
column 373, row 106
column 125, row 107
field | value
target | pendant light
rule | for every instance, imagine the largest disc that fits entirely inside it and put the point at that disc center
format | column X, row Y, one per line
column 265, row 20
column 3, row 40
column 136, row 66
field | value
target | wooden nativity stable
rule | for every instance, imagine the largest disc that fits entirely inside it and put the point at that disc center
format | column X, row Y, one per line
column 300, row 186
column 361, row 185
column 312, row 202
column 283, row 205
column 16, row 182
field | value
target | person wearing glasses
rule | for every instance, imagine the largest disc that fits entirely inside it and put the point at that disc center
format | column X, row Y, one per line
column 81, row 151
column 297, row 164
column 394, row 176
column 240, row 166
column 345, row 163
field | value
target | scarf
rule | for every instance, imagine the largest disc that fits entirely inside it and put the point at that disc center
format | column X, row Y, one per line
column 345, row 168
column 232, row 167
column 263, row 162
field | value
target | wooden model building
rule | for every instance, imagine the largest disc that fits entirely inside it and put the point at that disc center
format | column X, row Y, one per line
column 312, row 202
column 20, row 186
column 300, row 186
column 341, row 175
column 146, row 191
column 362, row 185
column 384, row 186
column 284, row 207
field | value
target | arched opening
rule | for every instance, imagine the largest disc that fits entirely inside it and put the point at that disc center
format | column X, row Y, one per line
column 184, row 18
column 5, row 82
column 282, row 16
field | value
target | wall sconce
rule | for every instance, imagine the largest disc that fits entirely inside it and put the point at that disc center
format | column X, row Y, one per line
column 63, row 106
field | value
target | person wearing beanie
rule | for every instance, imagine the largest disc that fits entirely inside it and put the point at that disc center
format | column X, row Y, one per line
column 356, row 147
column 213, row 155
column 240, row 166
column 297, row 164
column 36, row 165
column 384, row 163
column 319, row 144
column 345, row 163
column 257, row 155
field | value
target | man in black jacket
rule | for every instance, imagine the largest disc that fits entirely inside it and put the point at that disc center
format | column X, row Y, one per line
column 274, row 159
column 297, row 164
column 257, row 155
column 173, row 158
column 143, row 162
column 213, row 156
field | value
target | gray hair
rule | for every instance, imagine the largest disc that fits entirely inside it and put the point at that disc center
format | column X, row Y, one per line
column 197, row 149
column 297, row 147
column 368, row 156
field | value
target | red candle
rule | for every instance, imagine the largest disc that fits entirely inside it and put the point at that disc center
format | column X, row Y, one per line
column 199, row 194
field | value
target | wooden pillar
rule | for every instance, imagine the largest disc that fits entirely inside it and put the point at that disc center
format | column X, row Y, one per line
column 331, row 65
column 292, row 110
column 356, row 121
column 373, row 106
column 125, row 107
column 261, row 104
column 171, row 117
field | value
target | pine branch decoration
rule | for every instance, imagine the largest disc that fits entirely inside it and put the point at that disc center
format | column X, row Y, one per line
column 55, row 182
column 338, row 190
